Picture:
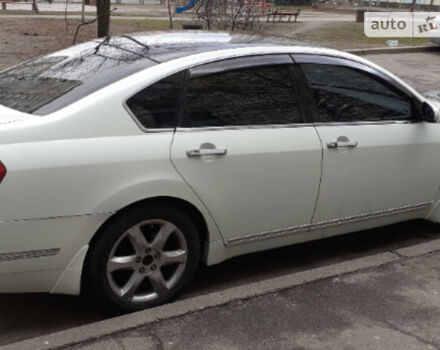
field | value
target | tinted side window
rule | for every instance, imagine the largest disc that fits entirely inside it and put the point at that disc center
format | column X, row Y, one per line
column 344, row 94
column 156, row 106
column 251, row 96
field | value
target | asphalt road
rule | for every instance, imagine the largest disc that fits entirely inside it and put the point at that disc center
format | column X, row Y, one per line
column 28, row 315
column 420, row 70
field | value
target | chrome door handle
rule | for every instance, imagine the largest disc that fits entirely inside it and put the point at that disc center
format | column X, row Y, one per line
column 342, row 141
column 336, row 144
column 199, row 152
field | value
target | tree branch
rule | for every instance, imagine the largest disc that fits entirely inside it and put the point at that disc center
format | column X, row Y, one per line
column 86, row 23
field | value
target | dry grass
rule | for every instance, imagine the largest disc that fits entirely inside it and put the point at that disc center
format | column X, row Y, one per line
column 339, row 35
column 24, row 38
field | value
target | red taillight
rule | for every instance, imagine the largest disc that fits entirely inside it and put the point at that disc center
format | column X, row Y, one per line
column 3, row 171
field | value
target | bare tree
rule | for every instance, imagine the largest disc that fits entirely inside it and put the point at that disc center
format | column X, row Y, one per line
column 79, row 27
column 170, row 15
column 83, row 10
column 65, row 15
column 229, row 14
column 103, row 15
column 35, row 6
column 204, row 12
column 87, row 23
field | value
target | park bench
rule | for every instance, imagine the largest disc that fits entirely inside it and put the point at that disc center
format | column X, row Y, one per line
column 32, row 3
column 281, row 12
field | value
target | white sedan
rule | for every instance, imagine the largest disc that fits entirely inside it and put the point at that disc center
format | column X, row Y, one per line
column 127, row 161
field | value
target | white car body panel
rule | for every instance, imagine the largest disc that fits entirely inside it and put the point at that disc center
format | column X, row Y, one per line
column 49, row 164
column 68, row 172
column 219, row 253
column 10, row 116
column 402, row 158
column 25, row 238
column 283, row 163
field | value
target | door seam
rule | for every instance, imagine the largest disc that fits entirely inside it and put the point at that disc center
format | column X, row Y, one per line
column 192, row 189
column 320, row 177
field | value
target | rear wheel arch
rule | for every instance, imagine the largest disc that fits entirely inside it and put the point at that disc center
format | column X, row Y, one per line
column 165, row 201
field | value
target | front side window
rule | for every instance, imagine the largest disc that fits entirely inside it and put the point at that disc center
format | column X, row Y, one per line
column 252, row 96
column 155, row 107
column 344, row 94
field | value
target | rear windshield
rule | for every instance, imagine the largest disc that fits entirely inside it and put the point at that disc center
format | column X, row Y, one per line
column 47, row 84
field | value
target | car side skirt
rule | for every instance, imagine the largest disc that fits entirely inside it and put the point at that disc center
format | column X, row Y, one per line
column 325, row 224
column 220, row 251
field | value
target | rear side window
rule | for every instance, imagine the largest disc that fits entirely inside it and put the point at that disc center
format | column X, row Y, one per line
column 344, row 94
column 253, row 96
column 155, row 107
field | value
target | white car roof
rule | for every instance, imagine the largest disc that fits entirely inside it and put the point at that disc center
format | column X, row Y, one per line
column 69, row 75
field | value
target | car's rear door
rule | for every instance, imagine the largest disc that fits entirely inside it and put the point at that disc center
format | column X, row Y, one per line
column 244, row 147
column 379, row 158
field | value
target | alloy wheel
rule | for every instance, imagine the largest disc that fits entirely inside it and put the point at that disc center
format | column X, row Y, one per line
column 147, row 261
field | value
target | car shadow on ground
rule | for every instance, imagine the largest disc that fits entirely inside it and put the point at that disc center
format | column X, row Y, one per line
column 273, row 263
column 29, row 315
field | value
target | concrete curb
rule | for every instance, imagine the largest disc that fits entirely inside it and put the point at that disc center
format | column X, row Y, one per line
column 93, row 331
column 419, row 249
column 387, row 50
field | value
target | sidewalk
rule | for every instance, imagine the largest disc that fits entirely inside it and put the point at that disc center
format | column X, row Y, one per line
column 395, row 306
column 386, row 301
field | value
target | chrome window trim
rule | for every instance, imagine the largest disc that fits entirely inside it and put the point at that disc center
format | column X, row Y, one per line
column 325, row 224
column 30, row 254
column 294, row 125
column 240, row 127
column 378, row 122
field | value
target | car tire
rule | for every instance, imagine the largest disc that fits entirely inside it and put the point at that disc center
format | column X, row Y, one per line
column 144, row 258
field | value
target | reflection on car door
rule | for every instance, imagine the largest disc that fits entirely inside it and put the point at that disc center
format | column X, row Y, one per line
column 379, row 158
column 244, row 148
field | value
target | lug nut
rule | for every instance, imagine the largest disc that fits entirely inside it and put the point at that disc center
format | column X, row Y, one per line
column 153, row 267
column 157, row 255
column 138, row 259
column 142, row 269
column 148, row 250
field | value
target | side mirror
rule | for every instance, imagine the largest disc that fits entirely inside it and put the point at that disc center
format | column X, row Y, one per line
column 428, row 113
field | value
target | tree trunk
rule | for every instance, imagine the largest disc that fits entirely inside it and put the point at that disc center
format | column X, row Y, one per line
column 103, row 14
column 83, row 10
column 170, row 15
column 35, row 6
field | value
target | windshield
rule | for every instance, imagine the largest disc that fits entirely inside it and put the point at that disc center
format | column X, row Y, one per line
column 46, row 84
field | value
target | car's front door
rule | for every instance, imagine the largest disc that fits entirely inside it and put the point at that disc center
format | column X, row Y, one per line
column 379, row 158
column 245, row 149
